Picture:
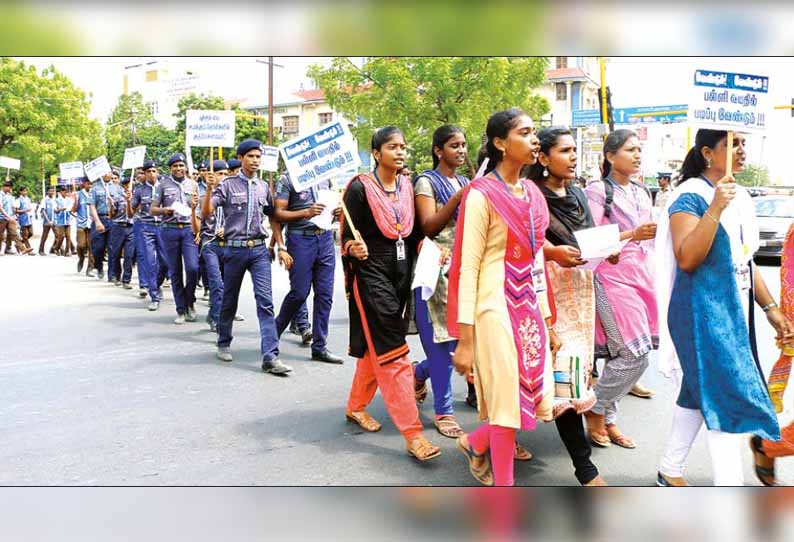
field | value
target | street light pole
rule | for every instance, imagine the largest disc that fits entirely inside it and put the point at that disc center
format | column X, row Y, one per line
column 270, row 65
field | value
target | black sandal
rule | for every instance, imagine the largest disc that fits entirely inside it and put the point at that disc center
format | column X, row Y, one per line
column 766, row 475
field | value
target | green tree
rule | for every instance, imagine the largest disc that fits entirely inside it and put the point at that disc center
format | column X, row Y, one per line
column 753, row 175
column 245, row 127
column 420, row 94
column 44, row 121
column 130, row 124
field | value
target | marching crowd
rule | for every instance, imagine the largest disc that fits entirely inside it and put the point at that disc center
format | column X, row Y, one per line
column 515, row 310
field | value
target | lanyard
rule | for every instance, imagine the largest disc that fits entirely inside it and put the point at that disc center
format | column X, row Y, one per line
column 396, row 209
column 634, row 194
column 526, row 199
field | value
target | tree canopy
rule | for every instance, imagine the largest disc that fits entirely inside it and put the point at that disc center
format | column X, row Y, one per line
column 419, row 94
column 44, row 121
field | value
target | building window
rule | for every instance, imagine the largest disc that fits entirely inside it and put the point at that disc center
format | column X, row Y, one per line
column 290, row 124
column 562, row 92
column 151, row 75
column 154, row 107
column 325, row 118
column 562, row 62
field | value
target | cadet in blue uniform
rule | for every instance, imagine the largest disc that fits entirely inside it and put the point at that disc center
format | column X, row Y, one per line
column 211, row 232
column 151, row 266
column 178, row 235
column 312, row 250
column 83, row 214
column 47, row 212
column 234, row 167
column 121, row 237
column 245, row 201
column 99, row 204
column 202, row 183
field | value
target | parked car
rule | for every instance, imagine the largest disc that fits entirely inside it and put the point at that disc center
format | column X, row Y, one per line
column 757, row 191
column 775, row 215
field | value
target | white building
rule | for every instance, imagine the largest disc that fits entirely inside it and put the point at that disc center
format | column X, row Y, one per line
column 161, row 84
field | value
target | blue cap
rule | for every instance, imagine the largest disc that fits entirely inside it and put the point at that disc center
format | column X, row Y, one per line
column 148, row 164
column 220, row 165
column 204, row 165
column 126, row 180
column 234, row 163
column 248, row 145
column 178, row 157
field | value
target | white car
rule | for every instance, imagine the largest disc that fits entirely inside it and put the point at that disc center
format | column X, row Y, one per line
column 775, row 215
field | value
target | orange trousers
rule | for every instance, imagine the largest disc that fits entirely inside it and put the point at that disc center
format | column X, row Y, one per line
column 782, row 448
column 396, row 383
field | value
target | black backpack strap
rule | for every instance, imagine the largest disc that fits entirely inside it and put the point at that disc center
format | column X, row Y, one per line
column 609, row 192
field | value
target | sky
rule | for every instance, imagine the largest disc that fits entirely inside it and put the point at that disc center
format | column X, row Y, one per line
column 634, row 81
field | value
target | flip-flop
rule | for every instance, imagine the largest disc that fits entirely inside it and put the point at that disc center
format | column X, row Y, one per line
column 483, row 474
column 601, row 440
column 620, row 439
column 766, row 475
column 448, row 426
column 522, row 454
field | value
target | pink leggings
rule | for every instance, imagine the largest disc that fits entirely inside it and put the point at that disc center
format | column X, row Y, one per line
column 502, row 443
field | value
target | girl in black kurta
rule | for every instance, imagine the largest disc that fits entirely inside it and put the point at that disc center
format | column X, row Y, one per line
column 377, row 268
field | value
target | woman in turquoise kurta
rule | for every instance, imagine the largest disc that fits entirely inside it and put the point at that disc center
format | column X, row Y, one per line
column 705, row 286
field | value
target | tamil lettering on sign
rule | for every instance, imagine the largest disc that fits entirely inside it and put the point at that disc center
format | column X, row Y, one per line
column 729, row 101
column 652, row 113
column 269, row 159
column 324, row 154
column 97, row 168
column 71, row 170
column 585, row 117
column 9, row 163
column 209, row 128
column 133, row 157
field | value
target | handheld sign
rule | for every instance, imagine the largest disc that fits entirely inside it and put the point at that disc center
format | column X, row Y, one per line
column 71, row 170
column 322, row 155
column 9, row 163
column 133, row 157
column 97, row 168
column 269, row 159
column 209, row 128
column 729, row 101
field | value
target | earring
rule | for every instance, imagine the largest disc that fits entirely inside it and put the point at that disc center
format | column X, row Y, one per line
column 708, row 162
column 545, row 172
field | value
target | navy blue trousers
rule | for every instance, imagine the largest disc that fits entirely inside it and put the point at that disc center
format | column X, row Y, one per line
column 211, row 256
column 313, row 266
column 99, row 242
column 121, row 238
column 152, row 269
column 256, row 260
column 181, row 252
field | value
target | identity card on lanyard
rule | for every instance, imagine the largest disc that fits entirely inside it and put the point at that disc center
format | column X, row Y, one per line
column 396, row 209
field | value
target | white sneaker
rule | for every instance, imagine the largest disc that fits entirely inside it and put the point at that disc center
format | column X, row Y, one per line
column 224, row 353
column 180, row 319
column 154, row 305
column 191, row 315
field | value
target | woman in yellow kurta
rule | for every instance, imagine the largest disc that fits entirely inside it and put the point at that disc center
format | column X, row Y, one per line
column 496, row 302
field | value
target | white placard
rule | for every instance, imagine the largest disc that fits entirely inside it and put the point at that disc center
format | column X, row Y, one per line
column 9, row 163
column 321, row 155
column 71, row 170
column 329, row 198
column 181, row 209
column 729, row 101
column 428, row 269
column 97, row 168
column 269, row 159
column 133, row 157
column 209, row 128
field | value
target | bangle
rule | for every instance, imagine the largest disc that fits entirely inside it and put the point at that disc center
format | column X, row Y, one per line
column 282, row 249
column 708, row 214
column 770, row 306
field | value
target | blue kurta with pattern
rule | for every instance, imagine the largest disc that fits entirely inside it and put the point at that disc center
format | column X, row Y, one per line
column 708, row 325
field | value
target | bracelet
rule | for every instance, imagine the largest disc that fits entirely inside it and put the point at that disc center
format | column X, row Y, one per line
column 282, row 249
column 769, row 307
column 708, row 214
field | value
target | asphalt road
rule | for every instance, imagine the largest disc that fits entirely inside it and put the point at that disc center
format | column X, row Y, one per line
column 99, row 391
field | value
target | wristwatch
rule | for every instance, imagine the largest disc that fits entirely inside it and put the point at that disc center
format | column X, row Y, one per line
column 281, row 248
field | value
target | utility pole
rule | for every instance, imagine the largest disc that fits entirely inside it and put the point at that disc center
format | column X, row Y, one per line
column 270, row 65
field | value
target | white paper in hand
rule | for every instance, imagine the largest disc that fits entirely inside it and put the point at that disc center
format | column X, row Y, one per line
column 428, row 269
column 329, row 198
column 597, row 244
column 181, row 209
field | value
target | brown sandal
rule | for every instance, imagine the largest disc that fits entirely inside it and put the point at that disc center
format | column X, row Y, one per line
column 448, row 426
column 420, row 387
column 619, row 438
column 422, row 449
column 598, row 437
column 479, row 465
column 364, row 420
column 522, row 454
column 765, row 473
